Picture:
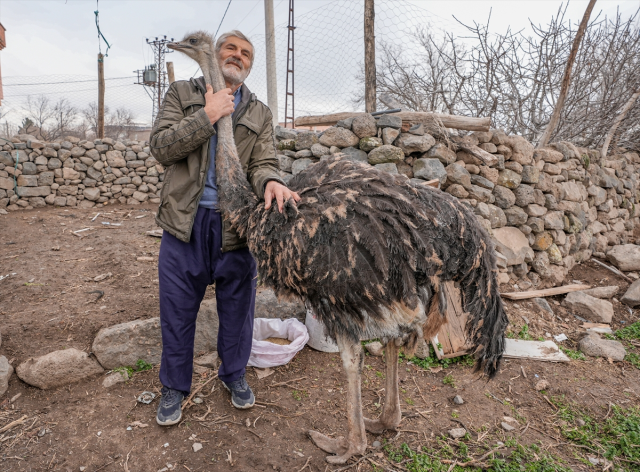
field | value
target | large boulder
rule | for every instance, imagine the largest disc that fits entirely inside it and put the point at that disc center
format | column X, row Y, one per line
column 522, row 150
column 592, row 345
column 300, row 164
column 625, row 257
column 353, row 154
column 442, row 153
column 5, row 374
column 510, row 179
column 384, row 154
column 124, row 344
column 512, row 244
column 593, row 309
column 458, row 175
column 307, row 139
column 632, row 295
column 504, row 197
column 340, row 137
column 411, row 143
column 429, row 169
column 58, row 368
column 364, row 126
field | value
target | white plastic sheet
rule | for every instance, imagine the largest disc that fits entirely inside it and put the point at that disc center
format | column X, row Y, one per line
column 267, row 354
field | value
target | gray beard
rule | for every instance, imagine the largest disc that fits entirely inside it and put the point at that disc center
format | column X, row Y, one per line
column 232, row 75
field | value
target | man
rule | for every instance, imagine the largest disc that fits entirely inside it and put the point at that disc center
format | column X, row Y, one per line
column 198, row 247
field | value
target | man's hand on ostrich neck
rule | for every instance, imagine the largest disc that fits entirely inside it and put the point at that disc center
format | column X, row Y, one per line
column 218, row 104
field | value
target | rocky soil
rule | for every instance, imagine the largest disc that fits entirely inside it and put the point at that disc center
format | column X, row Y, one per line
column 59, row 290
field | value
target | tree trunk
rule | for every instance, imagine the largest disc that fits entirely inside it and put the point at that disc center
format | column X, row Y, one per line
column 623, row 113
column 369, row 57
column 566, row 79
column 468, row 123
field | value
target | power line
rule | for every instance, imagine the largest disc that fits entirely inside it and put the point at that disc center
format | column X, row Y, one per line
column 67, row 82
column 225, row 14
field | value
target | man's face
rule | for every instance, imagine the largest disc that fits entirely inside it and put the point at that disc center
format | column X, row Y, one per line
column 235, row 60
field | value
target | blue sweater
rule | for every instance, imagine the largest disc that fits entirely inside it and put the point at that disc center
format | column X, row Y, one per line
column 210, row 195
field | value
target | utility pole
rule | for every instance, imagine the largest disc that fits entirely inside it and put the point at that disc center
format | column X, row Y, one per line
column 290, row 72
column 270, row 40
column 155, row 76
column 172, row 77
column 369, row 57
column 100, row 121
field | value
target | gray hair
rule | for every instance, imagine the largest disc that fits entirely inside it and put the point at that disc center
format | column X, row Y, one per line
column 238, row 34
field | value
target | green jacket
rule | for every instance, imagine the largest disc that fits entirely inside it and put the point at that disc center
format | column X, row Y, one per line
column 180, row 142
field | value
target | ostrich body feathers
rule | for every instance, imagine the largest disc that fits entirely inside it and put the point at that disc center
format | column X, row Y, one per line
column 368, row 251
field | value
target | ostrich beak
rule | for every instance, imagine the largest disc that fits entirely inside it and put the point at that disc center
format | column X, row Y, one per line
column 178, row 46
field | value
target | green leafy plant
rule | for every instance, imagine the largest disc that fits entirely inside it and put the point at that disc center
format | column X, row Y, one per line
column 630, row 332
column 298, row 395
column 449, row 380
column 524, row 333
column 143, row 365
column 571, row 354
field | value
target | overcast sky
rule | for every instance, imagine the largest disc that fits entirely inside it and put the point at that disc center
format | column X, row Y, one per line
column 59, row 38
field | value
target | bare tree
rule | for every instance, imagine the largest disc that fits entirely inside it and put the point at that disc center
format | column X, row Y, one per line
column 40, row 111
column 566, row 78
column 514, row 77
column 64, row 118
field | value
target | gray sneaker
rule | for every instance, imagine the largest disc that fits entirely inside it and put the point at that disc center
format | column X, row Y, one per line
column 241, row 394
column 170, row 408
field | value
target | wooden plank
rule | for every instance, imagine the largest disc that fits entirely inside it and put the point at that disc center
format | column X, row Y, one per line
column 548, row 292
column 537, row 350
column 468, row 123
column 452, row 335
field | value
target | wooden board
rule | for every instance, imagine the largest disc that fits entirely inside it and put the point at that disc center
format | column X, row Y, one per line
column 537, row 350
column 448, row 121
column 451, row 336
column 548, row 292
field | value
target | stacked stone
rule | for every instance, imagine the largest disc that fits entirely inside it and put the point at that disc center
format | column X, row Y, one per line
column 546, row 209
column 72, row 172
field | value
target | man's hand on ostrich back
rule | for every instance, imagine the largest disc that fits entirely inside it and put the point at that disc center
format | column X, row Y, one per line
column 275, row 190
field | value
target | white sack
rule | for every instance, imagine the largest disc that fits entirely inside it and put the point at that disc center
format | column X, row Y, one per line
column 267, row 354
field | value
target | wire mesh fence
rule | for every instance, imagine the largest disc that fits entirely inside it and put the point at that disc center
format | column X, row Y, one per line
column 329, row 51
column 45, row 98
column 417, row 52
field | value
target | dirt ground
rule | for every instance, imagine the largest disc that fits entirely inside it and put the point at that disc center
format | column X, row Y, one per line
column 45, row 305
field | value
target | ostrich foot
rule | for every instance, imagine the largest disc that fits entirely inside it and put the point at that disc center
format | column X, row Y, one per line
column 327, row 444
column 339, row 446
column 378, row 426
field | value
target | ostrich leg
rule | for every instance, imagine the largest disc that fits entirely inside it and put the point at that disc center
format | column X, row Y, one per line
column 356, row 441
column 391, row 413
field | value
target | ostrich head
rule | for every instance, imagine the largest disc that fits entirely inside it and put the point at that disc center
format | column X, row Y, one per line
column 198, row 46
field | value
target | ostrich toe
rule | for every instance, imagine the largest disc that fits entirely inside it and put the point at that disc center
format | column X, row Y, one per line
column 378, row 426
column 327, row 444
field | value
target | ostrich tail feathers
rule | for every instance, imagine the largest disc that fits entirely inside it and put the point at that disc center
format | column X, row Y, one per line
column 487, row 321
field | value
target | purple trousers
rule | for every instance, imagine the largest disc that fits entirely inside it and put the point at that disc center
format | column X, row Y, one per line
column 185, row 270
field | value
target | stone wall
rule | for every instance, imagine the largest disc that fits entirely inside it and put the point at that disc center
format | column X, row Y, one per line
column 546, row 209
column 71, row 172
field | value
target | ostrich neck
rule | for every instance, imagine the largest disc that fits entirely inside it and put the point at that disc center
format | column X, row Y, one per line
column 235, row 194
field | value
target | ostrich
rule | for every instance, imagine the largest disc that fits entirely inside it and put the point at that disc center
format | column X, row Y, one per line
column 368, row 251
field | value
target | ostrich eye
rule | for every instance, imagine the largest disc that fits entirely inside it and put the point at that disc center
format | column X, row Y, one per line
column 193, row 41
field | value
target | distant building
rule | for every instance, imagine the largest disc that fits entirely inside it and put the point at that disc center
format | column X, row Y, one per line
column 3, row 44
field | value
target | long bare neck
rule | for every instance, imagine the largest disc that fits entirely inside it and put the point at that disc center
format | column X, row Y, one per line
column 235, row 195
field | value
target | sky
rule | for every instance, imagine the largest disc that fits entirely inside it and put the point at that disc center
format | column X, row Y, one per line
column 56, row 41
